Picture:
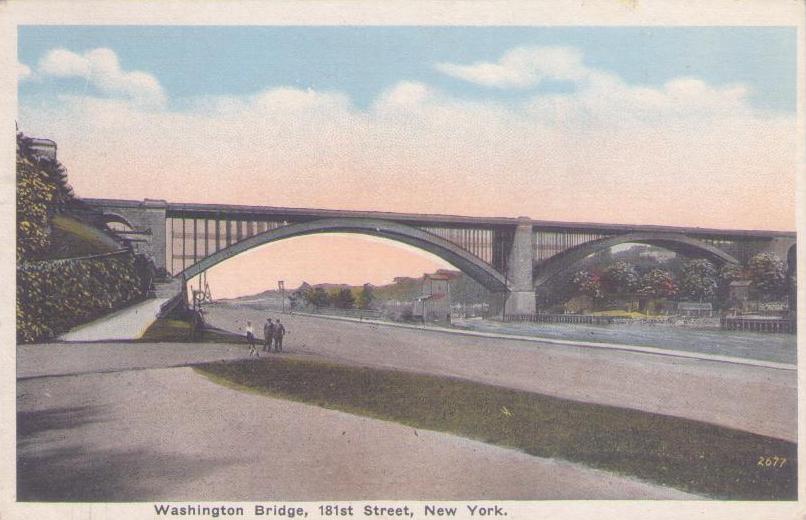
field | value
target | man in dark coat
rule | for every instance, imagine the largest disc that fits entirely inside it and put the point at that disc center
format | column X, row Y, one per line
column 279, row 332
column 268, row 335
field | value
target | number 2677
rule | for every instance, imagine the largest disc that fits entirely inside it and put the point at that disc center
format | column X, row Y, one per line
column 771, row 462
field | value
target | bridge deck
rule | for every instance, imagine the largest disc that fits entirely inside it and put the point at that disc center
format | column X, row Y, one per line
column 234, row 210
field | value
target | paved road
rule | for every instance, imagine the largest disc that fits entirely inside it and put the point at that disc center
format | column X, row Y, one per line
column 760, row 400
column 171, row 434
column 116, row 425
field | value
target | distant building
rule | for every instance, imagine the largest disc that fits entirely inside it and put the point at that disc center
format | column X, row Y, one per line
column 450, row 274
column 695, row 309
column 739, row 295
column 434, row 304
column 739, row 290
column 43, row 148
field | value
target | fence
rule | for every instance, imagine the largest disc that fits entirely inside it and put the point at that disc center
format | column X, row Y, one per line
column 561, row 318
column 361, row 314
column 779, row 325
column 49, row 265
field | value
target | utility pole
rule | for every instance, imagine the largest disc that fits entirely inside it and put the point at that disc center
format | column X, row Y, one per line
column 281, row 285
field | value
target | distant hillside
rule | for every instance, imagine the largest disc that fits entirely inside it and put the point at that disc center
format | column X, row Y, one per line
column 274, row 294
column 403, row 289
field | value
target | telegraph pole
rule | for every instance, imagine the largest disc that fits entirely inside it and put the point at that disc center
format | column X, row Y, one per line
column 281, row 285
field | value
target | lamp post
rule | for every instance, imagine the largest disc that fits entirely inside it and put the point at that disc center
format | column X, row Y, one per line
column 281, row 285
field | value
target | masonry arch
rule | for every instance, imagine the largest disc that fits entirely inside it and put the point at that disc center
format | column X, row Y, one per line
column 676, row 242
column 469, row 264
column 116, row 218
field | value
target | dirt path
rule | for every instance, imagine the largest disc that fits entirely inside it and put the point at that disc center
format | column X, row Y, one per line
column 173, row 434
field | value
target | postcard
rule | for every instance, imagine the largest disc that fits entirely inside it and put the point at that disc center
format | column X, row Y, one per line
column 381, row 260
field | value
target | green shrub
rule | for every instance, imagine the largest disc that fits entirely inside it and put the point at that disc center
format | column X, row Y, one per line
column 55, row 296
column 42, row 191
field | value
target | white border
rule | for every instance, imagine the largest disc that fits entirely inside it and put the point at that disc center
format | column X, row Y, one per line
column 285, row 12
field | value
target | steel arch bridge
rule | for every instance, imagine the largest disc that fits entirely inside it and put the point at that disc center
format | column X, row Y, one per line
column 509, row 256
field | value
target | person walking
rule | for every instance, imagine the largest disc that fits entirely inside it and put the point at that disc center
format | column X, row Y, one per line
column 279, row 332
column 268, row 335
column 250, row 337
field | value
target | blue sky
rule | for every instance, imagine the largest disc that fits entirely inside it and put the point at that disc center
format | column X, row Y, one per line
column 673, row 126
column 678, row 120
column 364, row 61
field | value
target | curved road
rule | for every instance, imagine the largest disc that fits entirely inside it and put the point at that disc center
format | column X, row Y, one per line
column 109, row 422
column 755, row 399
column 171, row 434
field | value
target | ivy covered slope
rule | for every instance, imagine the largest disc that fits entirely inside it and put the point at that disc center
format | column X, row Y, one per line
column 65, row 275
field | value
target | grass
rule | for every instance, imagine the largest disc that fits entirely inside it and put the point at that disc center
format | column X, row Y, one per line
column 166, row 330
column 692, row 456
column 71, row 237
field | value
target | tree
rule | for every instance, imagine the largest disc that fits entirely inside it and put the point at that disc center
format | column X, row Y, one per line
column 293, row 300
column 343, row 298
column 315, row 296
column 699, row 279
column 767, row 275
column 620, row 278
column 658, row 283
column 587, row 283
column 365, row 297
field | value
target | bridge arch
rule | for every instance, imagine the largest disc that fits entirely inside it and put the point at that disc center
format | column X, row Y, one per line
column 111, row 217
column 676, row 242
column 471, row 265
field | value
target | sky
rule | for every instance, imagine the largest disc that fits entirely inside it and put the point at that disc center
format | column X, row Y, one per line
column 675, row 126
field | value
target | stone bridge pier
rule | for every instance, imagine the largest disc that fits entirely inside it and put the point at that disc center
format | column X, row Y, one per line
column 147, row 222
column 521, row 298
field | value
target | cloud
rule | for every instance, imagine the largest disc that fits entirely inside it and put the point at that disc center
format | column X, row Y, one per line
column 101, row 68
column 406, row 94
column 684, row 153
column 522, row 67
column 23, row 72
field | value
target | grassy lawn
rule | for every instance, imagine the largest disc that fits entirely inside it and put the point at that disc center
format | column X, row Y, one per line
column 166, row 330
column 71, row 237
column 688, row 455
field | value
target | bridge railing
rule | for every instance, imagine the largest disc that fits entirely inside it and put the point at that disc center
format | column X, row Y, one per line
column 778, row 325
column 562, row 318
column 361, row 314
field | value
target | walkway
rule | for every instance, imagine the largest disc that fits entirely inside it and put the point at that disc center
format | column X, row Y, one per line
column 129, row 323
column 65, row 359
column 172, row 434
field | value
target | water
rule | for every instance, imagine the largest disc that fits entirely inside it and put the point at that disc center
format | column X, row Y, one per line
column 780, row 348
